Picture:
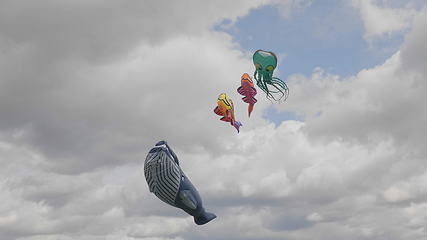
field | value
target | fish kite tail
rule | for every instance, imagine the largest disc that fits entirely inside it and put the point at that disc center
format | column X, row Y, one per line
column 250, row 109
column 237, row 125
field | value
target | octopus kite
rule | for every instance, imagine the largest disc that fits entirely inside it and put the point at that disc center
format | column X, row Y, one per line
column 265, row 62
column 225, row 109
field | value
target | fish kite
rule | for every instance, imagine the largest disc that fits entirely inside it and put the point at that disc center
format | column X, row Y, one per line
column 168, row 182
column 248, row 90
column 225, row 109
column 265, row 62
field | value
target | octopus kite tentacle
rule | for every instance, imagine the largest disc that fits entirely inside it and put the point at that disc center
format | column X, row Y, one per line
column 276, row 81
column 263, row 85
column 278, row 84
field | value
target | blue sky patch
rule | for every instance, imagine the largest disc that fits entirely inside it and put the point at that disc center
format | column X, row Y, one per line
column 277, row 117
column 328, row 34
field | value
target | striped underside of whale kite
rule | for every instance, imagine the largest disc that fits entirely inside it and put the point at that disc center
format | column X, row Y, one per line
column 168, row 182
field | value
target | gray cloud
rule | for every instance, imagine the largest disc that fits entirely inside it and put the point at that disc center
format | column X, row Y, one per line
column 414, row 50
column 101, row 31
column 73, row 89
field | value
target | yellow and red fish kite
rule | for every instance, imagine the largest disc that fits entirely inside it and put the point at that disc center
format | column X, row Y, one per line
column 248, row 90
column 225, row 109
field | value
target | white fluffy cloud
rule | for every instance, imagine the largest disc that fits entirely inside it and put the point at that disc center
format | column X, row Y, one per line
column 86, row 89
column 383, row 20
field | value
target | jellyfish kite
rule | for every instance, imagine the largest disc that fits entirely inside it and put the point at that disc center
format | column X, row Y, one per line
column 265, row 62
column 225, row 109
column 168, row 182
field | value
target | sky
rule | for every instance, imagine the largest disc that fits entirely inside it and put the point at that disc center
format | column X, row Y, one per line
column 87, row 88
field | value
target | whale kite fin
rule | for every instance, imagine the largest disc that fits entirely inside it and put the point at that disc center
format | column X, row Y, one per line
column 188, row 199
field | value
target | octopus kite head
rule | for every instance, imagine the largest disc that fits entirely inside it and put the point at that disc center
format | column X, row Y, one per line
column 265, row 62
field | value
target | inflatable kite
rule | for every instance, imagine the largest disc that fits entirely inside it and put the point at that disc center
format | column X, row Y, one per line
column 248, row 90
column 265, row 62
column 168, row 182
column 225, row 109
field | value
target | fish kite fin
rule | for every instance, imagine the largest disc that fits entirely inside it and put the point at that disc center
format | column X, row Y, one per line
column 218, row 111
column 253, row 91
column 241, row 90
column 225, row 119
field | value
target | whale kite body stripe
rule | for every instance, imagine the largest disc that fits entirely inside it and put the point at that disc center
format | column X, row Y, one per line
column 163, row 176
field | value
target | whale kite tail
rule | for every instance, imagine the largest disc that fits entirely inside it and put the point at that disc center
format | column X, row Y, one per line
column 204, row 218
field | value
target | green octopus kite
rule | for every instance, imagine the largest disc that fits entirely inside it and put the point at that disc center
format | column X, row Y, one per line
column 265, row 62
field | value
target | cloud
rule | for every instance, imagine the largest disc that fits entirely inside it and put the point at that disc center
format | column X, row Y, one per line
column 383, row 20
column 414, row 50
column 101, row 32
column 75, row 108
column 411, row 189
